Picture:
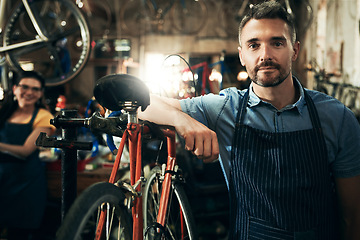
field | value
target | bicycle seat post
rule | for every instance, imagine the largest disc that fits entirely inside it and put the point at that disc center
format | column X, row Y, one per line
column 131, row 108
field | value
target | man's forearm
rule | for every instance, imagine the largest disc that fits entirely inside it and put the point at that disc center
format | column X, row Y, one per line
column 199, row 139
column 161, row 110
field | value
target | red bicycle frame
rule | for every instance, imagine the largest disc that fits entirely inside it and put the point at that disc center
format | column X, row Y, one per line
column 133, row 136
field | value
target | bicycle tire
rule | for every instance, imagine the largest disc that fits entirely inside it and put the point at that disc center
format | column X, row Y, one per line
column 81, row 220
column 189, row 16
column 151, row 198
column 67, row 51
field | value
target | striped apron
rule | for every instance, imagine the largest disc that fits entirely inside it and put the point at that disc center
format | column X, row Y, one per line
column 280, row 183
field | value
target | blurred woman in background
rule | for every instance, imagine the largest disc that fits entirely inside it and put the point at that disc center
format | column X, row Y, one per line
column 23, row 116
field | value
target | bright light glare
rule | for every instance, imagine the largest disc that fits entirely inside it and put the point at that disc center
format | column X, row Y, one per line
column 1, row 93
column 27, row 66
column 80, row 4
column 215, row 76
column 79, row 43
column 242, row 76
column 158, row 78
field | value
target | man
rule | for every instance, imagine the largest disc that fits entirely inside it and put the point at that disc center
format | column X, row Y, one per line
column 290, row 155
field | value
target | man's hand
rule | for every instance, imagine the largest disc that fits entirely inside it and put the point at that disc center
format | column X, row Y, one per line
column 199, row 139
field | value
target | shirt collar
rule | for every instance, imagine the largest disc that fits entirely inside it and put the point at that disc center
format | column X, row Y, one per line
column 299, row 104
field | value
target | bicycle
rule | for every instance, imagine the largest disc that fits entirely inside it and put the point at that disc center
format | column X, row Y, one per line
column 159, row 207
column 186, row 16
column 51, row 35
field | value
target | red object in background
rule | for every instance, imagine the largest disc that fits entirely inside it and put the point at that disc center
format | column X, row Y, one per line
column 61, row 103
column 205, row 75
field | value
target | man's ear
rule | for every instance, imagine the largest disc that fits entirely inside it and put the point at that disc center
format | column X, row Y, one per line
column 241, row 58
column 296, row 49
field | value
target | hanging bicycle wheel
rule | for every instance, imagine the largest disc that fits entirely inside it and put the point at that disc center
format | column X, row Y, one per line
column 64, row 54
column 81, row 221
column 180, row 223
column 136, row 17
column 189, row 16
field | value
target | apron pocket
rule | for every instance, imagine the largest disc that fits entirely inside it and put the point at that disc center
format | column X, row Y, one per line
column 260, row 229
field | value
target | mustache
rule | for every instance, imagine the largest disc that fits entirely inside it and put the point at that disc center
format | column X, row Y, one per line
column 267, row 64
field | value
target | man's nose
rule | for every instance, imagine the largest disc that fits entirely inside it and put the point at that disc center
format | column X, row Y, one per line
column 265, row 53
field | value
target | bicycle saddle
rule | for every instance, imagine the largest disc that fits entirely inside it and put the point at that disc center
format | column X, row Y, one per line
column 111, row 91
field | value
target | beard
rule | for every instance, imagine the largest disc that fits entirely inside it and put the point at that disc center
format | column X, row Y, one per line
column 269, row 81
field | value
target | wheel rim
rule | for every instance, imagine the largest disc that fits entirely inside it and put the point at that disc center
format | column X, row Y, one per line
column 64, row 55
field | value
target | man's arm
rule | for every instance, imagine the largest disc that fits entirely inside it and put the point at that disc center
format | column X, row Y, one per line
column 198, row 138
column 348, row 190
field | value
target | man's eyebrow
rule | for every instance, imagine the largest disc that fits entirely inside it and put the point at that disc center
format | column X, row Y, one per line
column 279, row 38
column 251, row 40
column 275, row 38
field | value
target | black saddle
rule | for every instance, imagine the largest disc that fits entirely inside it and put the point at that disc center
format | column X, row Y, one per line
column 111, row 91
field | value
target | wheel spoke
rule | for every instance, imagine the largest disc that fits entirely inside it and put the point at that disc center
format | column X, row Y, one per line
column 83, row 217
column 174, row 228
column 67, row 50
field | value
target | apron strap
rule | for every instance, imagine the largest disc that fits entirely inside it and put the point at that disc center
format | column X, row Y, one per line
column 36, row 110
column 315, row 120
column 314, row 117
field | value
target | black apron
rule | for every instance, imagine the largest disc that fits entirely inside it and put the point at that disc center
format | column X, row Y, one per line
column 280, row 183
column 22, row 182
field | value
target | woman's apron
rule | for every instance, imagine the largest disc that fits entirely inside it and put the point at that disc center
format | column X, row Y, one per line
column 280, row 183
column 22, row 182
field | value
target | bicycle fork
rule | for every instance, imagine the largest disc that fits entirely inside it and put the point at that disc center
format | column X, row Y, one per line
column 168, row 176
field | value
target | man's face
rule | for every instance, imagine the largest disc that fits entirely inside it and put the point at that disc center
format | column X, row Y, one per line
column 267, row 52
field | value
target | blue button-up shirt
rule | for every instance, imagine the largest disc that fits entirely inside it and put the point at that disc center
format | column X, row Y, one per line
column 340, row 127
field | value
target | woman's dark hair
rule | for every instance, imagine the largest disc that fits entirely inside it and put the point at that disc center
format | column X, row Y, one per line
column 29, row 74
column 269, row 10
column 10, row 104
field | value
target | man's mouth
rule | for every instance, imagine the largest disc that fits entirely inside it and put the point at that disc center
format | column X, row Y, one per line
column 267, row 66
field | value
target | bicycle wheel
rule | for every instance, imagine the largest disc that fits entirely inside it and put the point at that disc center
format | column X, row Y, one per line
column 136, row 17
column 189, row 16
column 67, row 50
column 81, row 220
column 180, row 222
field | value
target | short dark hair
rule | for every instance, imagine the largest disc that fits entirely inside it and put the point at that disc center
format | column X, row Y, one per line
column 269, row 10
column 29, row 74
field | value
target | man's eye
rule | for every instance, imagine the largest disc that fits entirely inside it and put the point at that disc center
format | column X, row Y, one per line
column 278, row 44
column 253, row 45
